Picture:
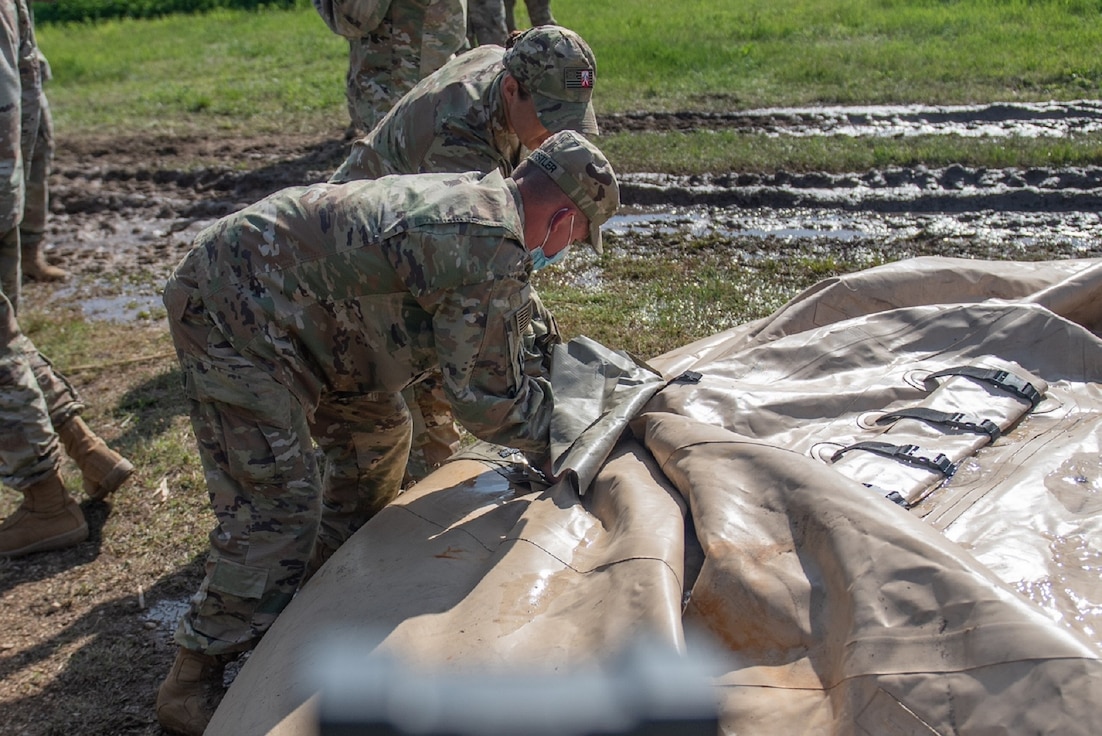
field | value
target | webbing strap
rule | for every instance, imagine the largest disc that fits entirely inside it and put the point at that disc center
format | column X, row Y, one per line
column 894, row 496
column 956, row 420
column 1005, row 380
column 909, row 454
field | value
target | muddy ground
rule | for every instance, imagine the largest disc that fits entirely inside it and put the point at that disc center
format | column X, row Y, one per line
column 124, row 210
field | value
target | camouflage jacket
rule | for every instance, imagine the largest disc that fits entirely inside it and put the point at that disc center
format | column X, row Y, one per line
column 367, row 286
column 20, row 87
column 452, row 120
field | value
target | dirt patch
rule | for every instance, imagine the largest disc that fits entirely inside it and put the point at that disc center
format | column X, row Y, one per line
column 84, row 643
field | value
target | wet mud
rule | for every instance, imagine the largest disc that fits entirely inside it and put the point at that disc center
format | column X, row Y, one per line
column 124, row 210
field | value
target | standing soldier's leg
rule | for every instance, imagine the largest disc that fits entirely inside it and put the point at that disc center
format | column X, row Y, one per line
column 539, row 12
column 102, row 469
column 444, row 34
column 32, row 230
column 510, row 19
column 264, row 489
column 48, row 518
column 487, row 21
column 10, row 271
column 365, row 440
column 386, row 64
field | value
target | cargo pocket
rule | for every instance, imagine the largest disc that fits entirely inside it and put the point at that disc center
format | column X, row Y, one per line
column 906, row 452
column 230, row 601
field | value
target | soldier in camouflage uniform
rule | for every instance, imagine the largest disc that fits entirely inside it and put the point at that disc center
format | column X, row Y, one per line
column 539, row 13
column 35, row 399
column 392, row 44
column 303, row 317
column 480, row 112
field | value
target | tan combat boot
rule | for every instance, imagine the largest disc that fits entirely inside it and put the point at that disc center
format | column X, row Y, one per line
column 47, row 519
column 104, row 470
column 35, row 266
column 190, row 694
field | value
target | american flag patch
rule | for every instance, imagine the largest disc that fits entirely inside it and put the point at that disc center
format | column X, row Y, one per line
column 579, row 78
column 524, row 317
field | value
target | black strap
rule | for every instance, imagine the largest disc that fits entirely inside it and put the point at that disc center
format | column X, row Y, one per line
column 894, row 496
column 909, row 454
column 956, row 420
column 688, row 377
column 1005, row 380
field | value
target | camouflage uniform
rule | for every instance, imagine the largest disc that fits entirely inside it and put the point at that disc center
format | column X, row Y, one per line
column 539, row 13
column 486, row 23
column 305, row 315
column 30, row 391
column 37, row 203
column 20, row 92
column 392, row 44
column 454, row 120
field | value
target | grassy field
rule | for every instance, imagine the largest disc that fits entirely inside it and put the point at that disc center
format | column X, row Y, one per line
column 235, row 72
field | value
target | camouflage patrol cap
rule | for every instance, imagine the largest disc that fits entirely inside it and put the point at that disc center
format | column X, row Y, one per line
column 584, row 174
column 558, row 68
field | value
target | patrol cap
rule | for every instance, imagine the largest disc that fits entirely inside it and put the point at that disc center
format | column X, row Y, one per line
column 584, row 175
column 557, row 67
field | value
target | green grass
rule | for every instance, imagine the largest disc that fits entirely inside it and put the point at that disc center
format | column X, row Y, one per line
column 671, row 289
column 222, row 72
column 234, row 71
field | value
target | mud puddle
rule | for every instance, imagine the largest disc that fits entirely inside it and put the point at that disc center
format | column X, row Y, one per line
column 999, row 120
column 121, row 279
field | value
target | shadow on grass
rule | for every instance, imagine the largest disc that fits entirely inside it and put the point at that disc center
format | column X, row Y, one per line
column 153, row 405
column 111, row 668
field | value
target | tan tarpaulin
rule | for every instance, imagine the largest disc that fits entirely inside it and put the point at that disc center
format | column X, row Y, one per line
column 875, row 548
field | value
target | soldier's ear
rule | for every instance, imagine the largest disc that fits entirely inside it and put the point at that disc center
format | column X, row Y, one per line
column 509, row 86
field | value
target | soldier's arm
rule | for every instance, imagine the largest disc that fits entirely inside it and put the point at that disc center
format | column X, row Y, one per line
column 479, row 331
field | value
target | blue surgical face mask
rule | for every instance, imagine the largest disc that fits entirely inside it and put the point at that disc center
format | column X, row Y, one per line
column 539, row 260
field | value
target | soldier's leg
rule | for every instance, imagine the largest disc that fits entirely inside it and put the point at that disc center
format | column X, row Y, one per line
column 486, row 20
column 262, row 478
column 386, row 64
column 32, row 230
column 29, row 448
column 510, row 18
column 102, row 469
column 48, row 518
column 436, row 435
column 443, row 34
column 539, row 12
column 365, row 441
column 10, row 267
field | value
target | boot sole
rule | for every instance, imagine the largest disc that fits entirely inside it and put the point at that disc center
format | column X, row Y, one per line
column 112, row 481
column 68, row 539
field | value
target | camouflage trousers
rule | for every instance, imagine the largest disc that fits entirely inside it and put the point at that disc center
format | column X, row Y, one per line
column 37, row 197
column 34, row 398
column 435, row 431
column 486, row 23
column 539, row 13
column 282, row 505
column 414, row 39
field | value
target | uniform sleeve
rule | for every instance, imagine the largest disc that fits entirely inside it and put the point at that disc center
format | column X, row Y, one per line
column 479, row 332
